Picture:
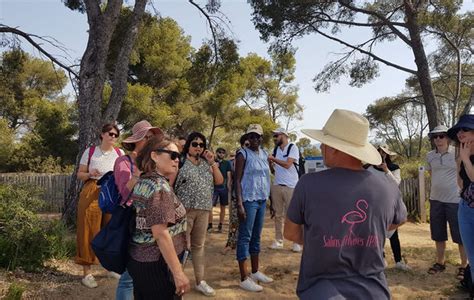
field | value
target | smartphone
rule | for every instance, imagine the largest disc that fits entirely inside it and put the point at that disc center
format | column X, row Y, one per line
column 184, row 257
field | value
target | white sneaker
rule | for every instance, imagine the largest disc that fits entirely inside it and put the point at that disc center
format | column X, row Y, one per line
column 114, row 275
column 296, row 248
column 277, row 245
column 250, row 285
column 402, row 266
column 260, row 277
column 89, row 281
column 204, row 288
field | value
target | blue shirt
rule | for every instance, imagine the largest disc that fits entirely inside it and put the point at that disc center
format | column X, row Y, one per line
column 256, row 175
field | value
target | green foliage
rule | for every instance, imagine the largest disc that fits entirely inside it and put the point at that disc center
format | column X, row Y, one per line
column 27, row 240
column 6, row 143
column 306, row 148
column 15, row 291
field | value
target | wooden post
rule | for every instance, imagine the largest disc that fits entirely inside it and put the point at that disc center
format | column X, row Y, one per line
column 422, row 194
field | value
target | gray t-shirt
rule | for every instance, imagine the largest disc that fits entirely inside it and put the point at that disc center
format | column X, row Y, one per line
column 444, row 186
column 345, row 214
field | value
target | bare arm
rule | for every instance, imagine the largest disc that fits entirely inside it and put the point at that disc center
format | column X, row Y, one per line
column 283, row 163
column 293, row 232
column 229, row 180
column 82, row 173
column 216, row 174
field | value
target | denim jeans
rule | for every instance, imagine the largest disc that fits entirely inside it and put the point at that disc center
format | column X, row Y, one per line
column 125, row 287
column 466, row 227
column 250, row 230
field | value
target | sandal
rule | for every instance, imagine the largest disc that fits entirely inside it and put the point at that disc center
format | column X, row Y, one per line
column 460, row 273
column 436, row 268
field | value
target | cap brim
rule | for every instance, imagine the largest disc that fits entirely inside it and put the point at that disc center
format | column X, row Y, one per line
column 366, row 153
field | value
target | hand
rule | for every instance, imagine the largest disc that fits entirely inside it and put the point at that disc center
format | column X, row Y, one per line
column 271, row 158
column 241, row 212
column 272, row 212
column 209, row 156
column 384, row 167
column 137, row 172
column 182, row 283
column 94, row 173
column 465, row 151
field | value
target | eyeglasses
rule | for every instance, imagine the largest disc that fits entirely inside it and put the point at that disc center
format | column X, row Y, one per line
column 113, row 134
column 196, row 144
column 275, row 136
column 173, row 154
column 466, row 129
column 438, row 136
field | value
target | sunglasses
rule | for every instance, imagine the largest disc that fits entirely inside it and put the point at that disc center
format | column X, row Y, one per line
column 173, row 154
column 275, row 136
column 466, row 129
column 438, row 136
column 247, row 144
column 196, row 144
column 147, row 137
column 220, row 152
column 112, row 134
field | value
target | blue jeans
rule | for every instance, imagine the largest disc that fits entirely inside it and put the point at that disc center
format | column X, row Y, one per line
column 125, row 287
column 250, row 230
column 466, row 227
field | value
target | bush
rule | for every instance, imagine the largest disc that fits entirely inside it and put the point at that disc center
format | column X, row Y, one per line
column 15, row 291
column 27, row 240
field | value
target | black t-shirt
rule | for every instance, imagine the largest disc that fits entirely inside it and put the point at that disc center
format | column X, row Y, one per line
column 465, row 179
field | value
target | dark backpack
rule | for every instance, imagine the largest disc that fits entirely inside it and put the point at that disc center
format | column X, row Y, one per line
column 301, row 161
column 109, row 196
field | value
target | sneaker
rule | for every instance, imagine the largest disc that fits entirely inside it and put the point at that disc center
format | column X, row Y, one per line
column 296, row 248
column 204, row 288
column 114, row 275
column 209, row 228
column 249, row 285
column 219, row 228
column 89, row 281
column 276, row 245
column 260, row 277
column 402, row 266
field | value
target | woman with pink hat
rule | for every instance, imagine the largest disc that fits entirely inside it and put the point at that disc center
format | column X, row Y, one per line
column 125, row 179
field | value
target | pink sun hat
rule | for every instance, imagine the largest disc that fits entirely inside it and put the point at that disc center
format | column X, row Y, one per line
column 139, row 131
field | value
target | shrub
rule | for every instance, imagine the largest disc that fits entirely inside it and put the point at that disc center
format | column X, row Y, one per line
column 15, row 291
column 27, row 240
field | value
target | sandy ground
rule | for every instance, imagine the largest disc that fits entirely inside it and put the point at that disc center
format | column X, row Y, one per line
column 62, row 279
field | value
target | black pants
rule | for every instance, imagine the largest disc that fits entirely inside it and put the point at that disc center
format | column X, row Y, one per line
column 151, row 280
column 395, row 245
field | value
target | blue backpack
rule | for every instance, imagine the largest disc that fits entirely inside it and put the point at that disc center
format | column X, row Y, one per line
column 109, row 196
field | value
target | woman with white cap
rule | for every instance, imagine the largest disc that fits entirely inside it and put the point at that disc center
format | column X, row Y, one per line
column 126, row 175
column 389, row 169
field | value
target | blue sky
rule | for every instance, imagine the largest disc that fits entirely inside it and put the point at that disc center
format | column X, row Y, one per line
column 52, row 18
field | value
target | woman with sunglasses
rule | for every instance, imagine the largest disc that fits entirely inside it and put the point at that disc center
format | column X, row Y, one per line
column 159, row 237
column 194, row 186
column 94, row 163
column 463, row 134
column 252, row 179
column 125, row 180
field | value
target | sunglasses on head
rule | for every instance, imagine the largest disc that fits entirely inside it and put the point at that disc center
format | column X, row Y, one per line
column 196, row 144
column 173, row 154
column 466, row 129
column 113, row 134
column 438, row 136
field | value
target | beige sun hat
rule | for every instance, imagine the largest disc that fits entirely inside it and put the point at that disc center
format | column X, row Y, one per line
column 348, row 132
column 387, row 150
column 139, row 131
column 280, row 131
column 257, row 128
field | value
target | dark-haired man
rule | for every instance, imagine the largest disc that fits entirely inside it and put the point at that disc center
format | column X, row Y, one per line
column 221, row 192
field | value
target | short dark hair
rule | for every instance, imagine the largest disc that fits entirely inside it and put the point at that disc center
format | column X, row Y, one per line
column 243, row 139
column 191, row 137
column 108, row 127
column 144, row 161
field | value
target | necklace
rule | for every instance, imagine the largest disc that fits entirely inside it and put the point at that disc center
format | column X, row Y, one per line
column 106, row 153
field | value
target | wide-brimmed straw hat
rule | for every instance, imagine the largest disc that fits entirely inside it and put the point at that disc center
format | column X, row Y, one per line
column 465, row 121
column 348, row 132
column 139, row 131
column 438, row 129
column 387, row 150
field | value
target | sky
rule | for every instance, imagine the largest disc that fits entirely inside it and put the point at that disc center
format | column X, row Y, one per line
column 52, row 18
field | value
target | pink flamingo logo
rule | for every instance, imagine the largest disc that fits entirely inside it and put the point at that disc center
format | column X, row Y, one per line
column 356, row 217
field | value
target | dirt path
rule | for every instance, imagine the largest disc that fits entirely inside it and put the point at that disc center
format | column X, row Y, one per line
column 63, row 282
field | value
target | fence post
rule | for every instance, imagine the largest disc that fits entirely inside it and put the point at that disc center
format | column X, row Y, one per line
column 422, row 193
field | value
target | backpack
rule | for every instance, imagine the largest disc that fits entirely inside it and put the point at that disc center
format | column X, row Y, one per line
column 109, row 196
column 110, row 245
column 301, row 161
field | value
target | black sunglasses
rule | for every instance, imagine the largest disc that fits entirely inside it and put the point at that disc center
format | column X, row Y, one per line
column 173, row 154
column 276, row 135
column 466, row 129
column 196, row 144
column 438, row 136
column 114, row 135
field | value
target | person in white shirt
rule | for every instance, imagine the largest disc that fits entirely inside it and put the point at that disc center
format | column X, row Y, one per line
column 444, row 199
column 284, row 165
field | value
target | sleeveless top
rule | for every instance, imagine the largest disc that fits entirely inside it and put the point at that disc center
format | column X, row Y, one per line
column 256, row 175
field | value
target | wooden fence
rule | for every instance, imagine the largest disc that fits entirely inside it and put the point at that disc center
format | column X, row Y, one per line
column 53, row 186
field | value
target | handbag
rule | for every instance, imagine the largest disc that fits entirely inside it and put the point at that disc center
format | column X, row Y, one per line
column 110, row 245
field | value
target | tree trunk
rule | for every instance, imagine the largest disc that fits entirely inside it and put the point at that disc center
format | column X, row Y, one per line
column 423, row 72
column 92, row 75
column 119, row 81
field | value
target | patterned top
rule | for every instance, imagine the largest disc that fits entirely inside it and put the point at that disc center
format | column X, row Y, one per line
column 195, row 185
column 155, row 203
column 256, row 176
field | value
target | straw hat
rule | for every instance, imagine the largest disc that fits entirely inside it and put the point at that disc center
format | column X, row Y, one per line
column 387, row 150
column 139, row 131
column 347, row 131
column 280, row 131
column 257, row 128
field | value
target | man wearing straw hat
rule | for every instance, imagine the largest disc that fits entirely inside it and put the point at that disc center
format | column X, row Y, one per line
column 340, row 218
